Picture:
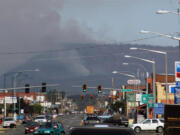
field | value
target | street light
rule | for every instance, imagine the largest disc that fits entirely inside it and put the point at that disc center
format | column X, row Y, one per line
column 116, row 72
column 14, row 86
column 160, row 34
column 165, row 65
column 167, row 12
column 129, row 75
column 126, row 64
column 147, row 75
column 154, row 68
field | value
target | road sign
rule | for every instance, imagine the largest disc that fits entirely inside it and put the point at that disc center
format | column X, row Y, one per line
column 144, row 98
column 150, row 101
column 177, row 71
column 126, row 90
column 131, row 97
column 134, row 81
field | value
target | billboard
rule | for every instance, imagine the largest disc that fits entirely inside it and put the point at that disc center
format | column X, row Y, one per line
column 177, row 71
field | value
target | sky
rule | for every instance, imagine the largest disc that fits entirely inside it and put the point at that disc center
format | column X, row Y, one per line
column 41, row 25
column 121, row 21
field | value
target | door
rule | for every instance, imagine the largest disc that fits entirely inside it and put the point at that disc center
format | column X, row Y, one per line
column 56, row 129
column 154, row 124
column 146, row 125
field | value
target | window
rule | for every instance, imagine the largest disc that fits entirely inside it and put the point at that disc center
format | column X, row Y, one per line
column 147, row 122
column 154, row 121
column 161, row 120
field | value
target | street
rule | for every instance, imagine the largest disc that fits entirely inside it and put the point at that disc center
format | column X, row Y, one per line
column 67, row 120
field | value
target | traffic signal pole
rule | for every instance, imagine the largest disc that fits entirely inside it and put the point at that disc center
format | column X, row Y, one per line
column 14, row 95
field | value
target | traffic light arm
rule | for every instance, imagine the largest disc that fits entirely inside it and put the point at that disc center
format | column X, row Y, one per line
column 49, row 85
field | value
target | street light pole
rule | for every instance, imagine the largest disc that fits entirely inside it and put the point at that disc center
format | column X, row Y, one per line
column 129, row 75
column 4, row 95
column 154, row 74
column 147, row 75
column 14, row 91
column 165, row 65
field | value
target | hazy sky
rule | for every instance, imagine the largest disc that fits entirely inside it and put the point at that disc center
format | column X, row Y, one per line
column 36, row 25
column 121, row 20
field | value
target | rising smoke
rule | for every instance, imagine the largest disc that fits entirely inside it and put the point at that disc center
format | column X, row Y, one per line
column 34, row 25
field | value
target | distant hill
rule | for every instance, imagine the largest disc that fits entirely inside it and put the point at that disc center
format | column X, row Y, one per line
column 75, row 64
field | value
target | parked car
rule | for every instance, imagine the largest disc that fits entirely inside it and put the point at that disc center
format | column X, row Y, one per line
column 31, row 127
column 113, row 121
column 1, row 121
column 124, row 121
column 105, row 116
column 90, row 120
column 149, row 124
column 9, row 122
column 40, row 118
column 50, row 128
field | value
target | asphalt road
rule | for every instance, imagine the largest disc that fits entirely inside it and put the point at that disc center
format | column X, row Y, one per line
column 67, row 120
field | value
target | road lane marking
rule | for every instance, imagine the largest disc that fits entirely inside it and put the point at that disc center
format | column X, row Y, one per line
column 4, row 129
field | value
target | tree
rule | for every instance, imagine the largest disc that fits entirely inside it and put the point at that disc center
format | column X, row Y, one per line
column 37, row 108
column 117, row 105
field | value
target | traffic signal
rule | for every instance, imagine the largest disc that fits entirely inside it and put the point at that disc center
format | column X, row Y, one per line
column 84, row 88
column 99, row 89
column 43, row 87
column 91, row 96
column 27, row 89
column 82, row 97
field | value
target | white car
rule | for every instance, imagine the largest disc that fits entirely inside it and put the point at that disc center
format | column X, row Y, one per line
column 9, row 122
column 149, row 124
column 40, row 118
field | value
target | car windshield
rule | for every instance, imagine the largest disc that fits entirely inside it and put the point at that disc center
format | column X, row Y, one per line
column 32, row 123
column 40, row 117
column 161, row 120
column 46, row 125
column 8, row 119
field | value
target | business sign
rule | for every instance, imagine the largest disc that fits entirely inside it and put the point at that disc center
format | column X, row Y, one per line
column 134, row 81
column 40, row 98
column 177, row 95
column 158, row 108
column 172, row 88
column 177, row 71
column 131, row 97
column 138, row 97
column 10, row 100
column 177, row 83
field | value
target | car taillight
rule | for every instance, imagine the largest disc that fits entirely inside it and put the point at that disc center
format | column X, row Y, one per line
column 36, row 128
column 27, row 128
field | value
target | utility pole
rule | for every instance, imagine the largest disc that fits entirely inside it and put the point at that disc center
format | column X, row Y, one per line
column 147, row 111
column 4, row 95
